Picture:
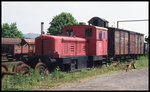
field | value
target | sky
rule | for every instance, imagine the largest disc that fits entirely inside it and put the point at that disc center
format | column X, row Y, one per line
column 29, row 15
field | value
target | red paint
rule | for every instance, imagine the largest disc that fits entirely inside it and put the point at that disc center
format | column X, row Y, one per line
column 59, row 46
column 95, row 46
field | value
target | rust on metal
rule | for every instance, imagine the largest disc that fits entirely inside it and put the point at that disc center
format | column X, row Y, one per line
column 132, row 63
column 28, row 41
column 21, row 67
column 41, row 67
column 16, row 65
column 115, row 64
column 4, row 71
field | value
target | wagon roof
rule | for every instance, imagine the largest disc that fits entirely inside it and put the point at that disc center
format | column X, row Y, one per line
column 126, row 30
column 11, row 40
column 28, row 41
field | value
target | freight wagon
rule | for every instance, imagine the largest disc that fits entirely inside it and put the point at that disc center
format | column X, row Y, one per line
column 15, row 48
column 124, row 43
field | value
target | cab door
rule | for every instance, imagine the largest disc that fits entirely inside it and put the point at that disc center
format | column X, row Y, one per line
column 104, row 41
column 101, row 42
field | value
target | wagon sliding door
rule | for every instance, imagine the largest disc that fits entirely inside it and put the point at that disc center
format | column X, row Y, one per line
column 126, row 42
column 142, row 44
column 136, row 44
column 117, row 42
column 132, row 43
column 122, row 42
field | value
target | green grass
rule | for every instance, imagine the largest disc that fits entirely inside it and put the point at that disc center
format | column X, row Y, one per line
column 38, row 81
column 142, row 62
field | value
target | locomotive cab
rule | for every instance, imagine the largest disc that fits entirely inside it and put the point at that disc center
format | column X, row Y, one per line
column 96, row 37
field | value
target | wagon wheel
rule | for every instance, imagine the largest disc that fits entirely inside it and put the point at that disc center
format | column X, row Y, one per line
column 23, row 69
column 16, row 65
column 4, row 68
column 42, row 68
column 46, row 71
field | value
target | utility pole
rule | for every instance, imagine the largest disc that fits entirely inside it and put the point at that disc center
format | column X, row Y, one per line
column 130, row 21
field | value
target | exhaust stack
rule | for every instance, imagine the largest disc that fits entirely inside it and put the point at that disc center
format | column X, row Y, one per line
column 42, row 28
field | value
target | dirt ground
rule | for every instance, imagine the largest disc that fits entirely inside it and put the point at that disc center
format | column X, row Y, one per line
column 132, row 80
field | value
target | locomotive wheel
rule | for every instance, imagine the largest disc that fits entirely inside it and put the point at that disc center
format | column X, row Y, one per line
column 16, row 65
column 42, row 68
column 23, row 69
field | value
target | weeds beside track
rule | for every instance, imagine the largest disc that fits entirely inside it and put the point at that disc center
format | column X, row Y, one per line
column 38, row 81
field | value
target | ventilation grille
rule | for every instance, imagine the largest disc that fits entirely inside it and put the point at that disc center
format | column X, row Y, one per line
column 72, row 48
column 66, row 48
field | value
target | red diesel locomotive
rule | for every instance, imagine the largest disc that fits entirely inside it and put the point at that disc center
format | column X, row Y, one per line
column 84, row 46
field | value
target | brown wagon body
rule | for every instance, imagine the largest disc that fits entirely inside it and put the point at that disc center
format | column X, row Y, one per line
column 124, row 43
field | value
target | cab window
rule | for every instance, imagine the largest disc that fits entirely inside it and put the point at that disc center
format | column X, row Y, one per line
column 88, row 32
column 100, row 34
column 69, row 32
column 104, row 35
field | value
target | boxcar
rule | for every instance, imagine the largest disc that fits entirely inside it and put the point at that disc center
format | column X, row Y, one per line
column 124, row 43
column 118, row 42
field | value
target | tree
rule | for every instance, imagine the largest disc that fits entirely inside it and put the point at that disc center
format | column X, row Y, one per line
column 60, row 21
column 11, row 31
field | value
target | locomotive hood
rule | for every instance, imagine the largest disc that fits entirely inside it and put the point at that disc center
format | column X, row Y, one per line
column 61, row 37
column 55, row 46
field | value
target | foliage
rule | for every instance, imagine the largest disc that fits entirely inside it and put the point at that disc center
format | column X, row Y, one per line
column 60, row 21
column 11, row 31
column 22, row 82
column 142, row 62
